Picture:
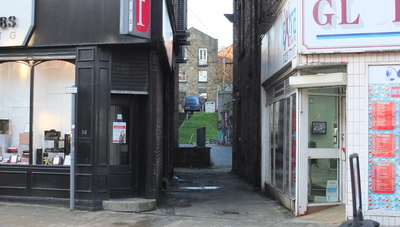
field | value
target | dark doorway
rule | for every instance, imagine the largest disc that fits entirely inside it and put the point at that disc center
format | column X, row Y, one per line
column 121, row 152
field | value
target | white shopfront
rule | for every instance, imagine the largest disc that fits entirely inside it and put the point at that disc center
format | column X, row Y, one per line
column 331, row 74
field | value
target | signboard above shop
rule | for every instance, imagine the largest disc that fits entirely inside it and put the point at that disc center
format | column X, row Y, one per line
column 343, row 25
column 135, row 18
column 16, row 22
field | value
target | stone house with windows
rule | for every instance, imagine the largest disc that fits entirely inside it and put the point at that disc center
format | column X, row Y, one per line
column 197, row 76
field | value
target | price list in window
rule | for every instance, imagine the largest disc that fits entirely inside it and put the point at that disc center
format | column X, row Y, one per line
column 384, row 137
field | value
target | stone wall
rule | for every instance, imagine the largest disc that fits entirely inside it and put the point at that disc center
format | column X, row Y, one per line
column 192, row 157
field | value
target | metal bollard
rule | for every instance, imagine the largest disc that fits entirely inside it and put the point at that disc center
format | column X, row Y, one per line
column 201, row 137
column 358, row 218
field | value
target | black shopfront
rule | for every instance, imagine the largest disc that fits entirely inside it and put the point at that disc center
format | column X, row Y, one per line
column 78, row 85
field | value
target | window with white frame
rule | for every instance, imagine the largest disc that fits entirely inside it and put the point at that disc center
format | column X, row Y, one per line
column 184, row 53
column 182, row 76
column 202, row 56
column 202, row 76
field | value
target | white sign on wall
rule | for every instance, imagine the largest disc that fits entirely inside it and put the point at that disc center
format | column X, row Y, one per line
column 279, row 45
column 344, row 25
column 16, row 22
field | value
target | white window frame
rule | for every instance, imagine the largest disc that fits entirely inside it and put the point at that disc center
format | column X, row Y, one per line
column 202, row 56
column 182, row 74
column 203, row 76
column 184, row 55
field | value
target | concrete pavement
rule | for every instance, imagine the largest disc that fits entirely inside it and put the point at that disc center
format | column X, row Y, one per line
column 196, row 197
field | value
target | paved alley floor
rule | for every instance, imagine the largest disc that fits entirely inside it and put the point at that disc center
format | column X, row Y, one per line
column 207, row 197
column 197, row 197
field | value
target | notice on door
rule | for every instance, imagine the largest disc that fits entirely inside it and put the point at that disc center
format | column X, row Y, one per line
column 332, row 191
column 119, row 132
column 383, row 175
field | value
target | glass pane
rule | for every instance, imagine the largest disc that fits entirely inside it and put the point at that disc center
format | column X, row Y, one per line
column 279, row 130
column 14, row 112
column 287, row 148
column 273, row 144
column 323, row 121
column 323, row 181
column 292, row 159
column 52, row 112
column 119, row 152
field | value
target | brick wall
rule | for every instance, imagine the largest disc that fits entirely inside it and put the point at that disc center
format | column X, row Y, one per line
column 246, row 93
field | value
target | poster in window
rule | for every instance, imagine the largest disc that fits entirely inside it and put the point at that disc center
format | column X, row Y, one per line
column 383, row 137
column 383, row 115
column 119, row 132
column 383, row 145
column 383, row 178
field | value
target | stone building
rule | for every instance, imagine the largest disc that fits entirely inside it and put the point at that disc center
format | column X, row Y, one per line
column 197, row 76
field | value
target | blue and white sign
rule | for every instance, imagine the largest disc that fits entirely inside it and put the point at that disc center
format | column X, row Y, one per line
column 279, row 45
column 332, row 191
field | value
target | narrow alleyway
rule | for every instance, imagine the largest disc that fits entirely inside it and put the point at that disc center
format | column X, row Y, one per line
column 215, row 195
column 212, row 197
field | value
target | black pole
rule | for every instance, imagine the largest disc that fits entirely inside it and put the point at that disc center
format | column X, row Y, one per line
column 358, row 218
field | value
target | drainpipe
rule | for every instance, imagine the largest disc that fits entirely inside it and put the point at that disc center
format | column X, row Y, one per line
column 72, row 165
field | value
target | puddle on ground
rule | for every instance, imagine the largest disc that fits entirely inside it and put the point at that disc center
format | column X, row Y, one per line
column 225, row 212
column 200, row 188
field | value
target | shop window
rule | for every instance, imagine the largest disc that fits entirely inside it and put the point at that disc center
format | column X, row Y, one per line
column 283, row 145
column 52, row 108
column 14, row 112
column 52, row 111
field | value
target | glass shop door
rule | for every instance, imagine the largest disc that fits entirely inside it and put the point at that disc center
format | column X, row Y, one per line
column 325, row 145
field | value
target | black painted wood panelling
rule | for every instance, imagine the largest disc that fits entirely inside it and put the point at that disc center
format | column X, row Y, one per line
column 130, row 70
column 13, row 179
column 50, row 181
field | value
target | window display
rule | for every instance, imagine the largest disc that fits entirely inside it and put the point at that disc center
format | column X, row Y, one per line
column 283, row 152
column 51, row 108
column 14, row 109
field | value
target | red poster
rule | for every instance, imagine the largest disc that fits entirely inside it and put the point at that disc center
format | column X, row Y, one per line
column 383, row 115
column 383, row 178
column 395, row 92
column 383, row 145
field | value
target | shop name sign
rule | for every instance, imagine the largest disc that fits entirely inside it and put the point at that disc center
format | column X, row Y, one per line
column 135, row 18
column 16, row 22
column 342, row 25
